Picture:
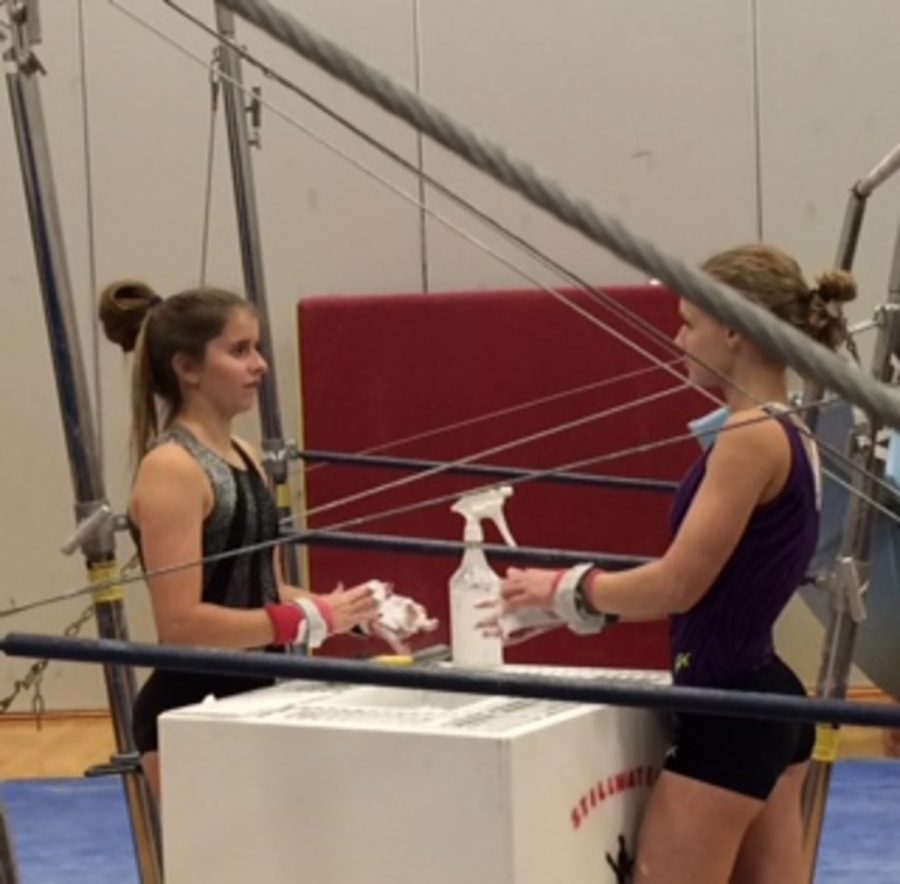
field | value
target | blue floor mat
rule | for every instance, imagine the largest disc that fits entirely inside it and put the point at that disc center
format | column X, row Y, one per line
column 862, row 818
column 76, row 831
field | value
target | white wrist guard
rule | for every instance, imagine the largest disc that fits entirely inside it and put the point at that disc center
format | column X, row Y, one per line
column 316, row 629
column 527, row 619
column 570, row 605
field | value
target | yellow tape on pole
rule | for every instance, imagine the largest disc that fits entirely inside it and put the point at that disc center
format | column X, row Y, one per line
column 827, row 739
column 103, row 573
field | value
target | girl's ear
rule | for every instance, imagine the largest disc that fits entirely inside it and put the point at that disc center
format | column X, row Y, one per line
column 185, row 369
column 732, row 338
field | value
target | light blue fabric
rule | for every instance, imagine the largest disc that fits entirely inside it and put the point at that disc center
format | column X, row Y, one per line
column 892, row 466
column 708, row 425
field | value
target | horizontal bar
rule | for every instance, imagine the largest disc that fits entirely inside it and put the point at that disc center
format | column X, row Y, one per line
column 478, row 469
column 600, row 690
column 531, row 554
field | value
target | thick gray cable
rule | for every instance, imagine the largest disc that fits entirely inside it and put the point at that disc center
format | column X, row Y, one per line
column 773, row 336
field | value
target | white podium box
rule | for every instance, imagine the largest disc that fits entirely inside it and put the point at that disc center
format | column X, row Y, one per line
column 311, row 782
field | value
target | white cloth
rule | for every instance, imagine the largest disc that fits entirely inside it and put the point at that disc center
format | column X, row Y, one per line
column 399, row 617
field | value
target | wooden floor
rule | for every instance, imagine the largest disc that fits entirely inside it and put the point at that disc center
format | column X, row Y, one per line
column 66, row 745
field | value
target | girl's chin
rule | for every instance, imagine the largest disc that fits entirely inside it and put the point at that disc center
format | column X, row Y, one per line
column 703, row 380
column 244, row 405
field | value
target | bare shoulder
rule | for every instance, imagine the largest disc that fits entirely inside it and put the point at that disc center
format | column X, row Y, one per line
column 754, row 427
column 751, row 439
column 168, row 476
column 168, row 461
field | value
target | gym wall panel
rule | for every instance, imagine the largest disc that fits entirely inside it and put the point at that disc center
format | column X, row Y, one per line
column 828, row 115
column 643, row 109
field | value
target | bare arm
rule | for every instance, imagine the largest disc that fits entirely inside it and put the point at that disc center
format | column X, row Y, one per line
column 170, row 500
column 747, row 466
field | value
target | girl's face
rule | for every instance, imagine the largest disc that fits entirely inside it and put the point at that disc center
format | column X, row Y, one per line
column 232, row 367
column 707, row 340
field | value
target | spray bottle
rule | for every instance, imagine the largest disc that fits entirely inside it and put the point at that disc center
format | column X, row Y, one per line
column 474, row 582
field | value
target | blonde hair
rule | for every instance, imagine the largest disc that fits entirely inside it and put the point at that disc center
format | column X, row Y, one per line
column 773, row 279
column 156, row 329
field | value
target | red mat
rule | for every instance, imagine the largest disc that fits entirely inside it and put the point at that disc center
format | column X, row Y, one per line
column 380, row 368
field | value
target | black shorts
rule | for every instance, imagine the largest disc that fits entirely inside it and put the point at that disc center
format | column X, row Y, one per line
column 165, row 690
column 745, row 755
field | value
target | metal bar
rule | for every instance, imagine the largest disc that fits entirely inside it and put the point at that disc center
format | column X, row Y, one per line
column 880, row 173
column 273, row 443
column 854, row 214
column 426, row 546
column 59, row 313
column 545, row 556
column 476, row 469
column 646, row 694
column 247, row 219
column 40, row 194
column 840, row 636
column 9, row 873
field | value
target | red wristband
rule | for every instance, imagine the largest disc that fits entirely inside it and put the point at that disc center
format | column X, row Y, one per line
column 326, row 611
column 286, row 620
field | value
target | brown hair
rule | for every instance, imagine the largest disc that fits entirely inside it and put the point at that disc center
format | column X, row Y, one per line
column 771, row 278
column 156, row 329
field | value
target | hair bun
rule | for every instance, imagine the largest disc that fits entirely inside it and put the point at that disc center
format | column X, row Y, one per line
column 123, row 308
column 836, row 285
column 826, row 321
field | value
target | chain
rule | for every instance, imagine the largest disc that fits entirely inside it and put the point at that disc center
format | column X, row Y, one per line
column 33, row 678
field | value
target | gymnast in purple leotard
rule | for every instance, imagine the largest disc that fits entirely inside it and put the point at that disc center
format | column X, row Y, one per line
column 744, row 522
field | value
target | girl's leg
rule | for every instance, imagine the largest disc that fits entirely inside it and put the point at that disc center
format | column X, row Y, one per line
column 772, row 851
column 150, row 766
column 692, row 832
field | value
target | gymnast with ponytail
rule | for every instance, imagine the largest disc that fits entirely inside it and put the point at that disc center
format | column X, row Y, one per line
column 199, row 492
column 744, row 522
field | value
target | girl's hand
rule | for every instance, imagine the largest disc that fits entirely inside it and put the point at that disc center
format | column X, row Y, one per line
column 528, row 588
column 351, row 607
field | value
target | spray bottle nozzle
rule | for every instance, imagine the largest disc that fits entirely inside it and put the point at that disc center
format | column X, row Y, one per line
column 487, row 504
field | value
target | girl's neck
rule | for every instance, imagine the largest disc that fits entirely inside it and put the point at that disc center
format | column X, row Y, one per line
column 213, row 430
column 752, row 395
